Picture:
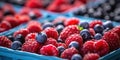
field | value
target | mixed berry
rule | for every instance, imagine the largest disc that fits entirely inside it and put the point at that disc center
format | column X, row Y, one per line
column 68, row 38
column 50, row 5
column 9, row 18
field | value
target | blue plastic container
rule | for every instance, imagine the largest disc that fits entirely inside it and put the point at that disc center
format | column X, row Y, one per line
column 9, row 54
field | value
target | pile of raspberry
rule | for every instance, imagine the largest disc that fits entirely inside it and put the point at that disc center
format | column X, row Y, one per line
column 67, row 38
column 54, row 5
column 9, row 18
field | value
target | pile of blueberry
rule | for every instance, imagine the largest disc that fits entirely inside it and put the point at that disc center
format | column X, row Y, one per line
column 109, row 10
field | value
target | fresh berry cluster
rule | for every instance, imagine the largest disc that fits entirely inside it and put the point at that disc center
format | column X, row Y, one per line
column 9, row 18
column 51, row 5
column 67, row 38
column 54, row 5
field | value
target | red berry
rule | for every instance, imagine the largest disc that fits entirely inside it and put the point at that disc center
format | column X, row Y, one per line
column 91, row 56
column 112, row 39
column 34, row 4
column 22, row 18
column 72, row 21
column 31, row 36
column 69, row 30
column 95, row 22
column 74, row 37
column 101, row 47
column 92, row 31
column 51, row 41
column 88, row 47
column 51, row 32
column 62, row 44
column 4, row 25
column 68, row 53
column 116, row 30
column 24, row 32
column 49, row 50
column 5, row 42
column 34, row 26
column 11, row 20
column 31, row 46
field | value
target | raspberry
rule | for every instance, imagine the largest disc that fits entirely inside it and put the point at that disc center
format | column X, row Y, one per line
column 101, row 47
column 62, row 44
column 22, row 18
column 92, row 32
column 24, row 32
column 51, row 32
column 31, row 46
column 95, row 22
column 34, row 26
column 116, row 30
column 69, row 30
column 11, row 20
column 88, row 47
column 4, row 25
column 5, row 42
column 74, row 37
column 72, row 21
column 33, row 4
column 68, row 53
column 113, row 42
column 49, row 50
column 51, row 41
column 91, row 56
column 30, row 36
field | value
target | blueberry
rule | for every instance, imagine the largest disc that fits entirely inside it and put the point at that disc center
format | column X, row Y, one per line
column 60, row 49
column 11, row 37
column 41, row 37
column 74, row 44
column 98, row 28
column 85, row 34
column 32, row 15
column 16, row 45
column 47, row 24
column 59, row 28
column 98, row 36
column 76, row 57
column 108, row 24
column 20, row 38
column 85, row 25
